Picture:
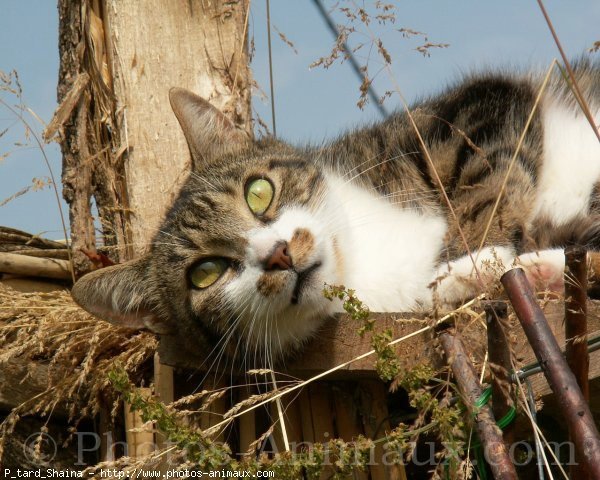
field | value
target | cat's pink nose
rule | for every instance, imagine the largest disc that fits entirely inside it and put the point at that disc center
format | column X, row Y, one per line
column 279, row 259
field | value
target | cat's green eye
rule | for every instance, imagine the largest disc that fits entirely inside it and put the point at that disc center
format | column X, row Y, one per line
column 207, row 272
column 259, row 195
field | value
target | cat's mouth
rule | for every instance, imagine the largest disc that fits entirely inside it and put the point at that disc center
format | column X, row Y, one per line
column 302, row 280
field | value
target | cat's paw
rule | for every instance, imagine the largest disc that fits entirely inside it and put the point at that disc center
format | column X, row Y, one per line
column 544, row 269
column 459, row 281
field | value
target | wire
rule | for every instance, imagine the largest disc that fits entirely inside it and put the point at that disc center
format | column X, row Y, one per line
column 353, row 62
column 535, row 368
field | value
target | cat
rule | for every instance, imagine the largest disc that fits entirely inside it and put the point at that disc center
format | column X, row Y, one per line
column 260, row 227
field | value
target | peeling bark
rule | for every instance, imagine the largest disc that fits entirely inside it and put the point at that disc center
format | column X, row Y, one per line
column 121, row 144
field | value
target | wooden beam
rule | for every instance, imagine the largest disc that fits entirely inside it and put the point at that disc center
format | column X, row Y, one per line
column 34, row 266
column 336, row 343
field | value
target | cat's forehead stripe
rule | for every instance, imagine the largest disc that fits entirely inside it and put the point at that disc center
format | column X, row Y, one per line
column 296, row 164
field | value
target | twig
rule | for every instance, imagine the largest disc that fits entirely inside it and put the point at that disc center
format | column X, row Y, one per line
column 500, row 361
column 562, row 381
column 350, row 55
column 490, row 435
column 576, row 332
column 582, row 102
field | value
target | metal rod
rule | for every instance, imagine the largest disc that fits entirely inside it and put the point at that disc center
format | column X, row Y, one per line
column 561, row 380
column 593, row 345
column 576, row 352
column 499, row 355
column 490, row 435
column 271, row 69
column 538, row 443
column 348, row 51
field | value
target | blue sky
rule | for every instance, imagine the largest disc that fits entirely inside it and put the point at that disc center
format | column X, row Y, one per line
column 312, row 104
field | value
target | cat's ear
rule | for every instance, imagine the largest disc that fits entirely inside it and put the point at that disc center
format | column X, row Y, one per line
column 209, row 133
column 120, row 295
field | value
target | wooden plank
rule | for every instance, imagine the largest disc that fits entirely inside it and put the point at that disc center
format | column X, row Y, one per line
column 293, row 423
column 164, row 391
column 339, row 342
column 34, row 266
column 376, row 424
column 139, row 437
column 29, row 284
column 347, row 423
column 215, row 411
column 306, row 418
column 322, row 420
column 336, row 343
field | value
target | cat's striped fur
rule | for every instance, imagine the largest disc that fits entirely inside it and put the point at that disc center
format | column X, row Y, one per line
column 365, row 211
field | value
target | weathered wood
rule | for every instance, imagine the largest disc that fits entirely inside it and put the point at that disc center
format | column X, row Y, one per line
column 246, row 423
column 91, row 145
column 20, row 381
column 496, row 452
column 577, row 414
column 164, row 391
column 319, row 397
column 308, row 431
column 373, row 397
column 576, row 279
column 140, row 436
column 336, row 343
column 500, row 362
column 56, row 454
column 156, row 45
column 347, row 420
column 30, row 285
column 554, row 312
column 576, row 316
column 213, row 414
column 34, row 266
column 65, row 109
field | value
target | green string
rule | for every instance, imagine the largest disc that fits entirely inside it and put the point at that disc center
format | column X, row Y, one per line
column 504, row 422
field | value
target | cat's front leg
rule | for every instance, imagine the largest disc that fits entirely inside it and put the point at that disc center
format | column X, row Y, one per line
column 458, row 281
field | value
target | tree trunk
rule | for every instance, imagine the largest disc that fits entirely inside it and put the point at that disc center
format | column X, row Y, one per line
column 121, row 143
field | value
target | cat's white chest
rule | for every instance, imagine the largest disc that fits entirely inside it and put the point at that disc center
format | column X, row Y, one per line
column 390, row 254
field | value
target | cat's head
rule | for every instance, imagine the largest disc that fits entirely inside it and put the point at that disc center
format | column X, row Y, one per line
column 244, row 252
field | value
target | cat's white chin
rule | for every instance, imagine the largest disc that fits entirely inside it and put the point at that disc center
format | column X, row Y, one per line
column 280, row 308
column 283, row 322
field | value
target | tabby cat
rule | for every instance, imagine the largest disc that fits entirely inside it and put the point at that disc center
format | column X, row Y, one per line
column 260, row 227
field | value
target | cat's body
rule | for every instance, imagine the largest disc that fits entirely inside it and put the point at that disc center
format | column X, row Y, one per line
column 259, row 228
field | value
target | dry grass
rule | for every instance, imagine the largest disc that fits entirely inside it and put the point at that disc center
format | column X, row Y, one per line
column 78, row 351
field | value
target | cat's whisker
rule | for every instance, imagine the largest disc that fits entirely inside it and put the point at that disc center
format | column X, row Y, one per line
column 203, row 180
column 353, row 169
column 378, row 164
column 225, row 338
